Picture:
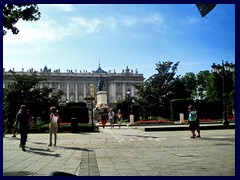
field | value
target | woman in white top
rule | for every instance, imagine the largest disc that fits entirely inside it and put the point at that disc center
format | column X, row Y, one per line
column 119, row 118
column 53, row 126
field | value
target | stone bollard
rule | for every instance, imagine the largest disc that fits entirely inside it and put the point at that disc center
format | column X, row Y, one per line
column 131, row 119
column 181, row 115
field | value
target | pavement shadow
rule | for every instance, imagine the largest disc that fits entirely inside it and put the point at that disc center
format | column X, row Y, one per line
column 142, row 136
column 37, row 142
column 43, row 152
column 218, row 139
column 76, row 148
column 59, row 173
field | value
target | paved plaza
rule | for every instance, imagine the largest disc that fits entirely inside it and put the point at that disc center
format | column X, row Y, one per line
column 129, row 151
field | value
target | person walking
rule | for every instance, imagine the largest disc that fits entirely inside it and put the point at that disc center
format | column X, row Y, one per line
column 111, row 118
column 53, row 125
column 104, row 117
column 119, row 118
column 197, row 125
column 22, row 120
column 192, row 120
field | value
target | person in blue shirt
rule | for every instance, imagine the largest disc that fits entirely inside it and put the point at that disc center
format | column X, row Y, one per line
column 192, row 120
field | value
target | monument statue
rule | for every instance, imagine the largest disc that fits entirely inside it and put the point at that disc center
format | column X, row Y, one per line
column 100, row 83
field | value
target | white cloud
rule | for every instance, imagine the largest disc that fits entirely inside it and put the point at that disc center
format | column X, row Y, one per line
column 89, row 26
column 156, row 19
column 64, row 7
column 111, row 22
column 190, row 21
column 129, row 21
column 46, row 31
column 34, row 32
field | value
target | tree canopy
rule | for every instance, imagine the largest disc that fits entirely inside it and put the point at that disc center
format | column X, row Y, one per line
column 25, row 90
column 157, row 91
column 14, row 12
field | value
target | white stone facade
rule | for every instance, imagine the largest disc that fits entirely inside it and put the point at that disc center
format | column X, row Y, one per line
column 76, row 85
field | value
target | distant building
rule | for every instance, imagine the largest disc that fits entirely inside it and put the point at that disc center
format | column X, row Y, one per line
column 76, row 85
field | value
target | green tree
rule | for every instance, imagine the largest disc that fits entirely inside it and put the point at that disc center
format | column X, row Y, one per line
column 25, row 89
column 202, row 82
column 156, row 92
column 214, row 87
column 14, row 12
column 190, row 82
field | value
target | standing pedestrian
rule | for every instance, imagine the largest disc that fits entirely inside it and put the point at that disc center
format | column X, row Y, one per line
column 22, row 121
column 192, row 120
column 119, row 118
column 197, row 125
column 111, row 118
column 104, row 117
column 53, row 125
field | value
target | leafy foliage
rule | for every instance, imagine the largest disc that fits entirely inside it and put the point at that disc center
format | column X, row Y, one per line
column 190, row 82
column 215, row 88
column 14, row 12
column 157, row 91
column 25, row 89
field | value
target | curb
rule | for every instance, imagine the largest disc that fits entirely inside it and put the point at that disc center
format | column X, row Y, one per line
column 184, row 128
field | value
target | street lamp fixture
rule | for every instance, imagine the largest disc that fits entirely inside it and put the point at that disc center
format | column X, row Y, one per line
column 128, row 94
column 222, row 69
column 92, row 98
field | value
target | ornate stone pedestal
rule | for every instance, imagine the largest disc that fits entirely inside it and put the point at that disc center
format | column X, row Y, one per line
column 101, row 98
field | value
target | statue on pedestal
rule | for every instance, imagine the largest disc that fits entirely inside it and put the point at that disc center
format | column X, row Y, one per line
column 100, row 83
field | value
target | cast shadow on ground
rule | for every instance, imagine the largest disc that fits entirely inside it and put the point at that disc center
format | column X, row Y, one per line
column 43, row 152
column 230, row 139
column 75, row 148
column 140, row 136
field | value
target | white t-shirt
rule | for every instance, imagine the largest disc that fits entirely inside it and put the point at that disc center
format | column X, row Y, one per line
column 54, row 118
column 110, row 115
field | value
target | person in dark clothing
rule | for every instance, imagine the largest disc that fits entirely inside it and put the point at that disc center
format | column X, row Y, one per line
column 23, row 118
column 197, row 126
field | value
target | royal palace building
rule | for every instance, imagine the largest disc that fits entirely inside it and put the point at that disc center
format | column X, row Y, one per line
column 76, row 85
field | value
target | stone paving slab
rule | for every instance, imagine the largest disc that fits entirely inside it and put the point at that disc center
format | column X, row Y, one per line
column 123, row 152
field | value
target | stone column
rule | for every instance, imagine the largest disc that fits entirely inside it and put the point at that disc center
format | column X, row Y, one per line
column 68, row 91
column 76, row 93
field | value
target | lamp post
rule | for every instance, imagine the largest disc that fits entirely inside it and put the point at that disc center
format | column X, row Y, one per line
column 92, row 98
column 128, row 94
column 223, row 69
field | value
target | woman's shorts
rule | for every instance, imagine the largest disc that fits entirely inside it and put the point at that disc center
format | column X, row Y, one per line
column 192, row 125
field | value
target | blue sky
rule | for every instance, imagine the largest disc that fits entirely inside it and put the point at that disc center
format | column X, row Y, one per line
column 75, row 37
